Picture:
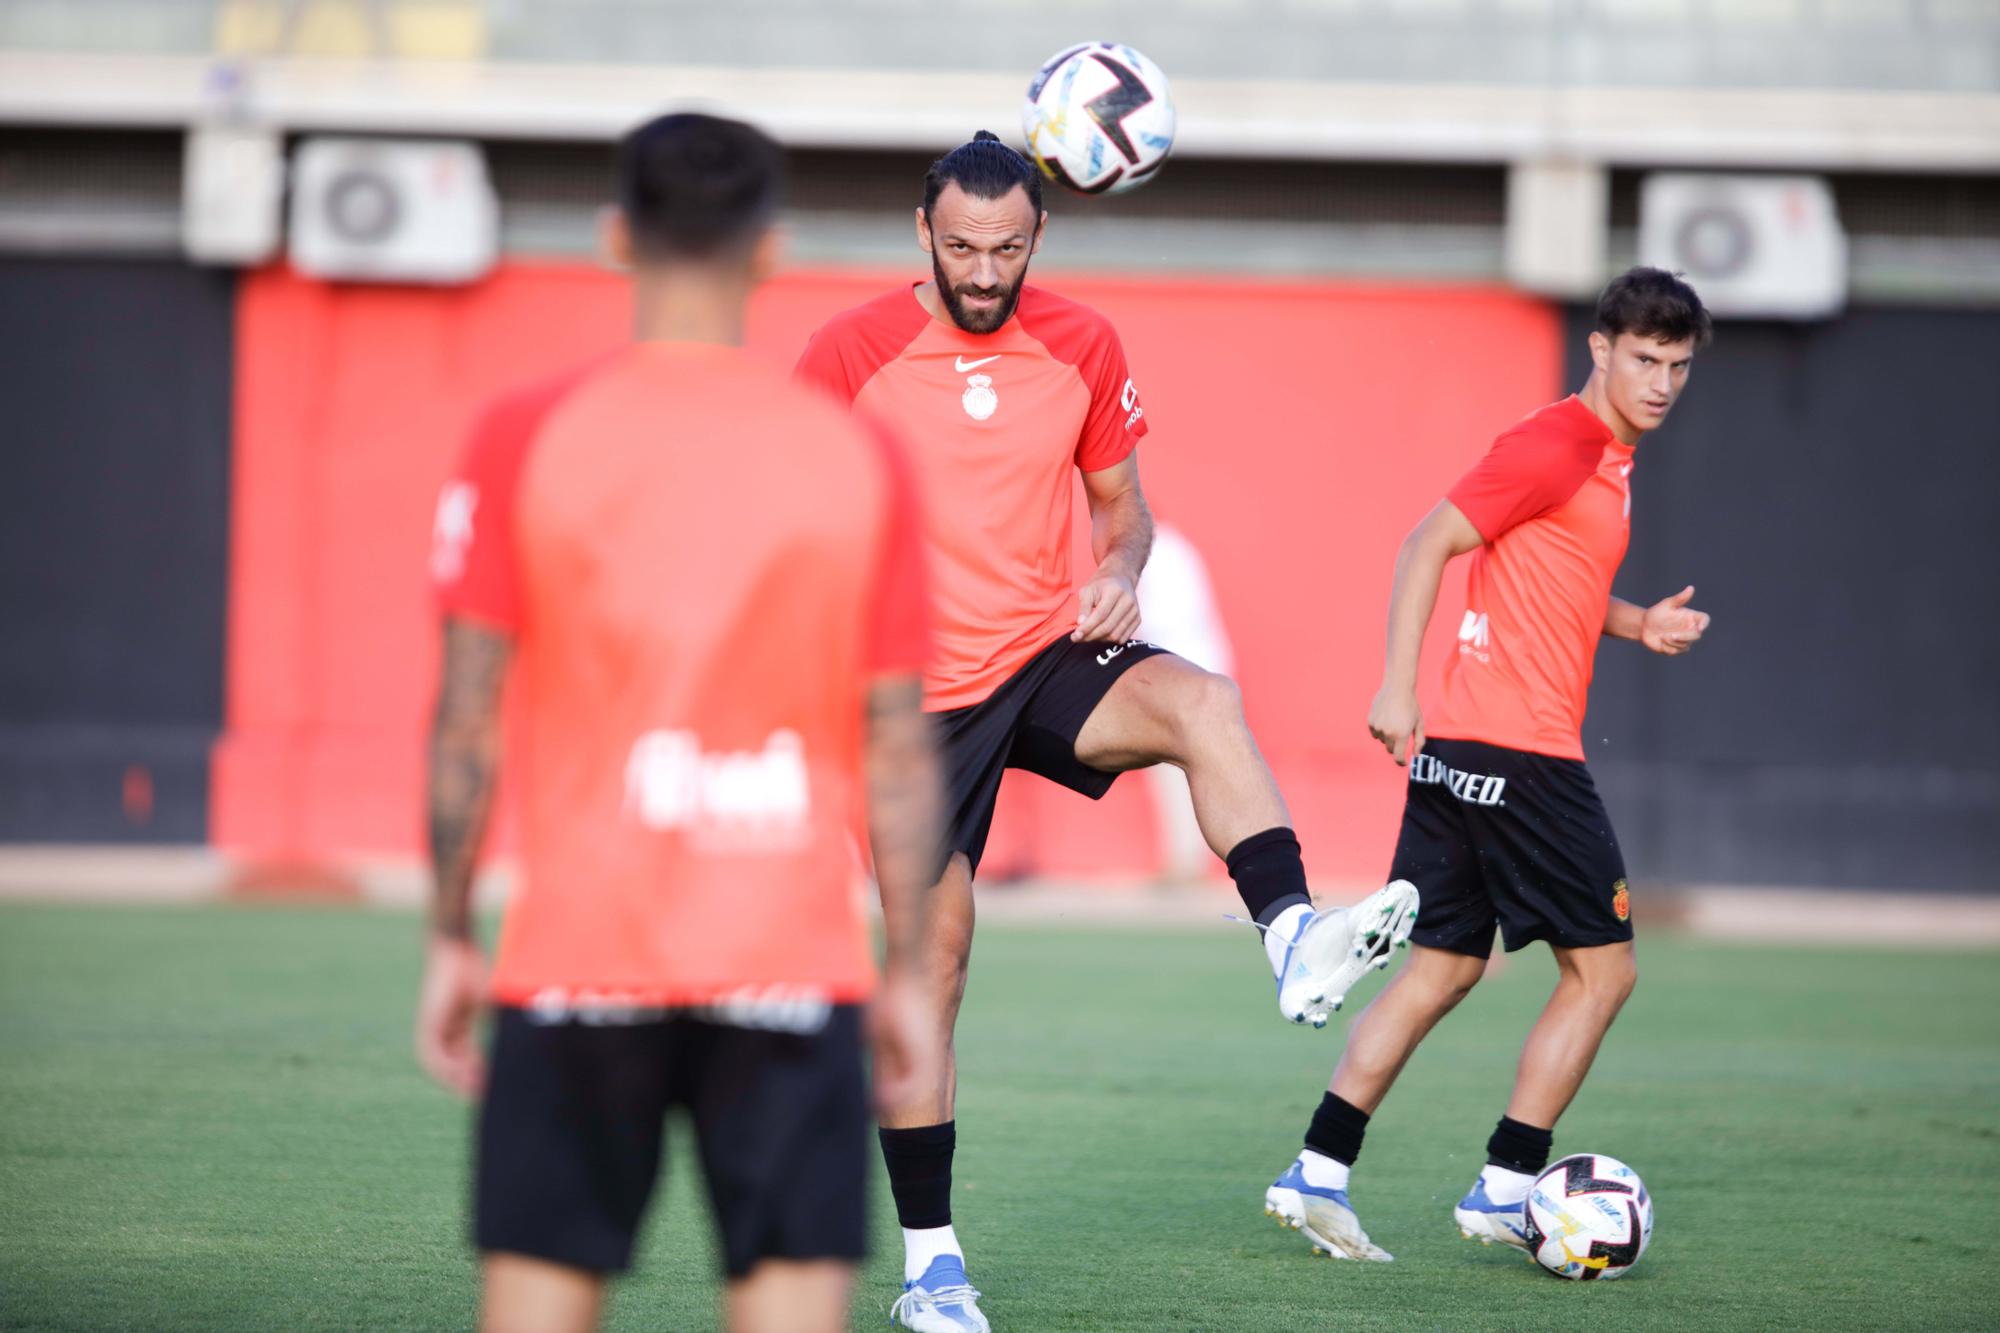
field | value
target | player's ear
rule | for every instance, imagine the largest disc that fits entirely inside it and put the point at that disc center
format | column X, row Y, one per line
column 923, row 230
column 614, row 237
column 1041, row 225
column 1600, row 352
column 767, row 255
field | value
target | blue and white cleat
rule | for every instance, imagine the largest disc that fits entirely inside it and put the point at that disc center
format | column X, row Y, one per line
column 1325, row 1216
column 1481, row 1219
column 1331, row 951
column 941, row 1301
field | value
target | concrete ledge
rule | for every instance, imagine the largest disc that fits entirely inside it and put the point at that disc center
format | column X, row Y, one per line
column 1818, row 129
column 67, row 874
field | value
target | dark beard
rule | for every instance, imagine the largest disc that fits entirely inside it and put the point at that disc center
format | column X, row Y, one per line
column 975, row 321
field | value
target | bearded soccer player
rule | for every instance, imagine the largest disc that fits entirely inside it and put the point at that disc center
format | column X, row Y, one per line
column 710, row 692
column 1502, row 825
column 1004, row 391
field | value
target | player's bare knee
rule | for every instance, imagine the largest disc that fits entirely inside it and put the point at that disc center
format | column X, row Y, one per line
column 1446, row 994
column 1608, row 977
column 1210, row 712
column 1444, row 978
column 1623, row 980
column 950, row 960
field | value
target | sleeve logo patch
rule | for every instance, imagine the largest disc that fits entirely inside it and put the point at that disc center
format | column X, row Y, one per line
column 451, row 530
column 1621, row 901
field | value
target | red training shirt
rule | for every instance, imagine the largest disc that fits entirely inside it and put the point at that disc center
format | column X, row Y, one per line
column 703, row 567
column 995, row 423
column 1553, row 499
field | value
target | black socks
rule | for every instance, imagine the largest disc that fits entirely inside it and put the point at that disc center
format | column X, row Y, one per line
column 1338, row 1125
column 1518, row 1147
column 1269, row 873
column 919, row 1162
column 1336, row 1129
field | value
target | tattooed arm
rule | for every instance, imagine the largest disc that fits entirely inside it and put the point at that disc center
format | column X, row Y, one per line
column 904, row 832
column 464, row 757
column 902, row 812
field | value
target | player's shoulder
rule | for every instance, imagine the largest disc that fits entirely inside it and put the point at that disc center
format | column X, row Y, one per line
column 1068, row 328
column 894, row 315
column 546, row 390
column 815, row 424
column 507, row 420
column 1562, row 427
column 848, row 350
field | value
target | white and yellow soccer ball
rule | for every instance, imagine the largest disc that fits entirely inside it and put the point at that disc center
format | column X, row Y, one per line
column 1588, row 1218
column 1099, row 118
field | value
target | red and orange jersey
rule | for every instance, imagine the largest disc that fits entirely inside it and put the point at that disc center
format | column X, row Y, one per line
column 704, row 566
column 995, row 423
column 1553, row 500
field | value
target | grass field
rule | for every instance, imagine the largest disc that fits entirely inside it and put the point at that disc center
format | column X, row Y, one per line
column 209, row 1120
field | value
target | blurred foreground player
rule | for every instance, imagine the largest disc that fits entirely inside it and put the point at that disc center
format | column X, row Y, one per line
column 1005, row 392
column 1502, row 824
column 708, row 688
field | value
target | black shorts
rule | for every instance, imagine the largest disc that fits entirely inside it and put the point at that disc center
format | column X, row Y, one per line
column 1497, row 836
column 1030, row 722
column 573, row 1123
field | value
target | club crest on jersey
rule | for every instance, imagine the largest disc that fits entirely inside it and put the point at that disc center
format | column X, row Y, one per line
column 979, row 399
column 1621, row 901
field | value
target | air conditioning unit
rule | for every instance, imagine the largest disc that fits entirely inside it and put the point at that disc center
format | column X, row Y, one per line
column 232, row 190
column 1753, row 246
column 381, row 210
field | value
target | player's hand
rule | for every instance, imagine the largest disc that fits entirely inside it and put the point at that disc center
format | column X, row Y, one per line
column 1395, row 720
column 448, row 1008
column 1672, row 626
column 904, row 1033
column 1107, row 610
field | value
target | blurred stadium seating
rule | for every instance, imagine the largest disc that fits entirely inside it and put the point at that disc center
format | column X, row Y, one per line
column 1915, row 45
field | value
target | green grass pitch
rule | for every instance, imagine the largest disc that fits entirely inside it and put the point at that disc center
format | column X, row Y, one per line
column 209, row 1119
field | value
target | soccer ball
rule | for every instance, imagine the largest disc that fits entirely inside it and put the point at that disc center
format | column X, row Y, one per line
column 1099, row 118
column 1588, row 1218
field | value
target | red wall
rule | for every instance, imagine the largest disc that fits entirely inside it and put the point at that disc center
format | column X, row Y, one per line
column 1298, row 431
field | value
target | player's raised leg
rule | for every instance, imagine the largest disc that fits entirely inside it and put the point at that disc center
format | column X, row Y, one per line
column 1167, row 710
column 1592, row 985
column 919, row 1136
column 1311, row 1195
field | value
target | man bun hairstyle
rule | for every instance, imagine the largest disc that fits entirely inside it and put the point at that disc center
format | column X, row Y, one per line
column 984, row 168
column 1653, row 303
column 695, row 186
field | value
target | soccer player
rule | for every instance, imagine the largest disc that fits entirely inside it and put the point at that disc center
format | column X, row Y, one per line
column 1502, row 824
column 709, row 693
column 1005, row 391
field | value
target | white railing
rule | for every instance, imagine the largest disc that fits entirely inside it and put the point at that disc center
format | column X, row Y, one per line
column 1806, row 129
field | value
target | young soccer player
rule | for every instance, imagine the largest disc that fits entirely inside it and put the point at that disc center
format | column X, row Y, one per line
column 1502, row 824
column 1005, row 391
column 709, row 691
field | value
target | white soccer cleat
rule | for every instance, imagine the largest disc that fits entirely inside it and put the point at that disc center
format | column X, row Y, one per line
column 941, row 1301
column 1323, row 1216
column 1331, row 951
column 1481, row 1219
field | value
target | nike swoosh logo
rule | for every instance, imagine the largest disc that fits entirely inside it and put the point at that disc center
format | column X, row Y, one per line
column 962, row 365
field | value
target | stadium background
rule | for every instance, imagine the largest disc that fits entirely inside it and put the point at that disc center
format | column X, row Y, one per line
column 215, row 534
